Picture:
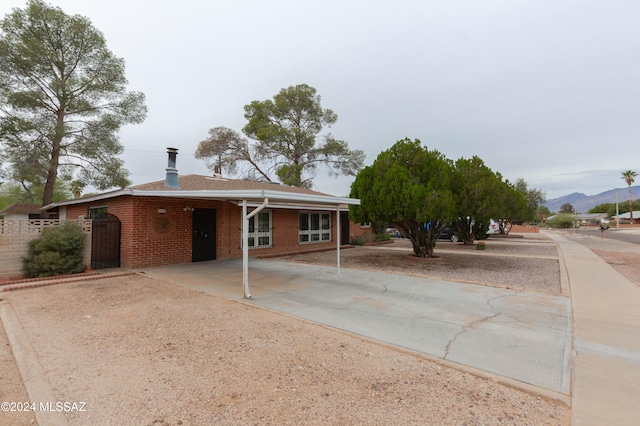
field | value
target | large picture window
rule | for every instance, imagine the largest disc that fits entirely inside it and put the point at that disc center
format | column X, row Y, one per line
column 260, row 230
column 314, row 227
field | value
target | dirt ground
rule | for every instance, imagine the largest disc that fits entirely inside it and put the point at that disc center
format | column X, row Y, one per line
column 507, row 263
column 143, row 351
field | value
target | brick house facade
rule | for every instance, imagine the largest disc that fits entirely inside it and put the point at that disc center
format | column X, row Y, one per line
column 159, row 229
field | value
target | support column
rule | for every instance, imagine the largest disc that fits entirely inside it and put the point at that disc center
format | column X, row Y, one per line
column 338, row 237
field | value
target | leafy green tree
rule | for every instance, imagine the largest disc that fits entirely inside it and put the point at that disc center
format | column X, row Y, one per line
column 513, row 209
column 610, row 208
column 534, row 197
column 476, row 188
column 409, row 187
column 287, row 130
column 513, row 206
column 17, row 192
column 63, row 99
column 567, row 208
column 603, row 208
column 543, row 213
column 629, row 177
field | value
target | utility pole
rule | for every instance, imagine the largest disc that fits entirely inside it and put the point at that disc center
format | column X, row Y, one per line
column 617, row 211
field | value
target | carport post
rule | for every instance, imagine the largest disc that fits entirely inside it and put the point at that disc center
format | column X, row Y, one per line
column 245, row 243
column 245, row 251
column 338, row 237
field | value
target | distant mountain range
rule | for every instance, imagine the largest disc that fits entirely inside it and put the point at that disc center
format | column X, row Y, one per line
column 583, row 203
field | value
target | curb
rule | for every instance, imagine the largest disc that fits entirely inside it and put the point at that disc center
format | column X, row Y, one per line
column 30, row 369
column 66, row 279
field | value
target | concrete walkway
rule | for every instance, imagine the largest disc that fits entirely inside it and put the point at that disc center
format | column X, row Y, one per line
column 606, row 312
column 522, row 338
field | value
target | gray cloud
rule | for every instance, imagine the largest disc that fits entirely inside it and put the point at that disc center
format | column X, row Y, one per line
column 543, row 90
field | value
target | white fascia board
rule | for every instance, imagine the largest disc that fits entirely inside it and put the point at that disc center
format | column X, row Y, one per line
column 89, row 199
column 257, row 195
column 310, row 198
column 301, row 207
column 250, row 194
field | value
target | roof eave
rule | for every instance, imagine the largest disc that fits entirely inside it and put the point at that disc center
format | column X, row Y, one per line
column 249, row 194
column 91, row 198
column 223, row 195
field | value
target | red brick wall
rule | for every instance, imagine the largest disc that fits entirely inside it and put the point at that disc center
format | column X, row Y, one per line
column 149, row 238
column 524, row 229
column 356, row 230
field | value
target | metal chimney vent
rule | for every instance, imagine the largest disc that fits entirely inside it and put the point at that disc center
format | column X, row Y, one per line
column 171, row 180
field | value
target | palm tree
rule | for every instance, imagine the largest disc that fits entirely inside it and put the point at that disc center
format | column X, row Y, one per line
column 629, row 177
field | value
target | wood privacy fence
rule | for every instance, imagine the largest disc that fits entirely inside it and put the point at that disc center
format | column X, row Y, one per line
column 16, row 234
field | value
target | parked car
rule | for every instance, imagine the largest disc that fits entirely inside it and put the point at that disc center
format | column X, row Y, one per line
column 448, row 234
column 494, row 228
column 394, row 233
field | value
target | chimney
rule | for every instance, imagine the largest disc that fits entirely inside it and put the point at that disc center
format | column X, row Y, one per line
column 172, row 173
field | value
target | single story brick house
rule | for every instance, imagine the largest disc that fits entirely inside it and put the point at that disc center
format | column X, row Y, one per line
column 195, row 218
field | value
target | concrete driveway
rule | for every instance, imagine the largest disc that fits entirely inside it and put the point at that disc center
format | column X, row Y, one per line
column 514, row 334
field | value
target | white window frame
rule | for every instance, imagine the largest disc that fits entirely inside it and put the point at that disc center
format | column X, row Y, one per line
column 318, row 226
column 257, row 235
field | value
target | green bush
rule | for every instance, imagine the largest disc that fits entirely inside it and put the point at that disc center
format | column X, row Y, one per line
column 363, row 239
column 384, row 236
column 563, row 221
column 58, row 251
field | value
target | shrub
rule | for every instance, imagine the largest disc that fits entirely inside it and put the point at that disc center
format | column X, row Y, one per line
column 563, row 221
column 363, row 239
column 383, row 236
column 58, row 251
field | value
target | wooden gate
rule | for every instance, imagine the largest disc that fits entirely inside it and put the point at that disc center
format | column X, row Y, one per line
column 105, row 241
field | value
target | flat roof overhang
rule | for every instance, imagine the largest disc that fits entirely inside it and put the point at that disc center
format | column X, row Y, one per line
column 251, row 196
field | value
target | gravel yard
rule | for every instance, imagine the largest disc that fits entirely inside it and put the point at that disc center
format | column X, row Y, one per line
column 143, row 351
column 507, row 263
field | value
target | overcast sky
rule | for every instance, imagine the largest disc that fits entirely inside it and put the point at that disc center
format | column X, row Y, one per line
column 545, row 90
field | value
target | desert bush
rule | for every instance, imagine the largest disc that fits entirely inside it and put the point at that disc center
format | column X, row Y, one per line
column 383, row 236
column 363, row 239
column 563, row 221
column 58, row 251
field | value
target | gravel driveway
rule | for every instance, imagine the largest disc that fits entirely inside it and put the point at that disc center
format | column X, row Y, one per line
column 144, row 351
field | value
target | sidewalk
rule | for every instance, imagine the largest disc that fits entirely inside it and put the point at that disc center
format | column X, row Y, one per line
column 606, row 339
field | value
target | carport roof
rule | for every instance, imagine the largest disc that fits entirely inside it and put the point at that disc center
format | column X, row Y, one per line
column 217, row 188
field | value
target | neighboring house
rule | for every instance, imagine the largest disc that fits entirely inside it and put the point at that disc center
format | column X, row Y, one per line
column 626, row 217
column 196, row 218
column 21, row 212
column 592, row 218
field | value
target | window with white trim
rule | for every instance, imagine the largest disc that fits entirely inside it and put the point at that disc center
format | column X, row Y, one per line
column 314, row 227
column 260, row 230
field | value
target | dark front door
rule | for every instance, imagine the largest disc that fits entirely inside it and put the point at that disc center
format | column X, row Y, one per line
column 344, row 228
column 105, row 241
column 204, row 235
